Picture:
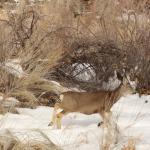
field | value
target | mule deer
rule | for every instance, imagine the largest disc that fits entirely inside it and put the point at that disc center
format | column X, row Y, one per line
column 89, row 102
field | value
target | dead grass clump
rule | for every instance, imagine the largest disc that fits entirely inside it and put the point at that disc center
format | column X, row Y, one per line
column 130, row 145
column 33, row 146
column 31, row 49
column 8, row 141
column 11, row 143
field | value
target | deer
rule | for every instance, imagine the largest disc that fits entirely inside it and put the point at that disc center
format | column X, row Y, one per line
column 90, row 102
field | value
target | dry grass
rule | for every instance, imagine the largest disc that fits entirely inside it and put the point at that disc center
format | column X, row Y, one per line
column 39, row 50
column 113, row 137
column 45, row 34
column 10, row 142
column 130, row 146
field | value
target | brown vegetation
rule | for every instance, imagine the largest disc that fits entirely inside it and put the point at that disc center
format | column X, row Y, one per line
column 130, row 145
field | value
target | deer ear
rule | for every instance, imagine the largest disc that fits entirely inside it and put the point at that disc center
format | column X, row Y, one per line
column 119, row 76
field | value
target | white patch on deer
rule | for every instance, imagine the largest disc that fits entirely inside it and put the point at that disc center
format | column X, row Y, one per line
column 61, row 97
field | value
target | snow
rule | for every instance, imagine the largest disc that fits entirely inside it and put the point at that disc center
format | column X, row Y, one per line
column 13, row 66
column 130, row 15
column 60, row 89
column 80, row 131
column 8, row 101
column 83, row 71
column 112, row 83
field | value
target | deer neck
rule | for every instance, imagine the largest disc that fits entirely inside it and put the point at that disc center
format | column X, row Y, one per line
column 118, row 93
column 121, row 91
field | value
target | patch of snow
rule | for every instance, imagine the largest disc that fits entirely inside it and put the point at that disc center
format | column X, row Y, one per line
column 56, row 83
column 8, row 101
column 112, row 83
column 80, row 131
column 76, row 90
column 13, row 66
column 17, row 1
column 60, row 89
column 1, row 98
column 141, row 19
column 83, row 71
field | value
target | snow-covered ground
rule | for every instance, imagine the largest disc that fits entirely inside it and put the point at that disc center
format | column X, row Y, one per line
column 79, row 131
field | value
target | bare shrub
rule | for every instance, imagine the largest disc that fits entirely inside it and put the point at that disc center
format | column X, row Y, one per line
column 36, row 50
column 96, row 40
column 106, row 46
column 130, row 145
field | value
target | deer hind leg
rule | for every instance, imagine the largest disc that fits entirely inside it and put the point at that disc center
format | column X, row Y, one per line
column 102, row 114
column 110, row 131
column 106, row 116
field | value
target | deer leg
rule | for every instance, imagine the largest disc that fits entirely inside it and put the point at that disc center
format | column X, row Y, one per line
column 58, row 120
column 100, row 123
column 106, row 118
column 54, row 115
column 110, row 131
column 106, row 132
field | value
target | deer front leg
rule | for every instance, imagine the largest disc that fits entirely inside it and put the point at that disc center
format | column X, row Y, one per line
column 56, row 106
column 58, row 120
